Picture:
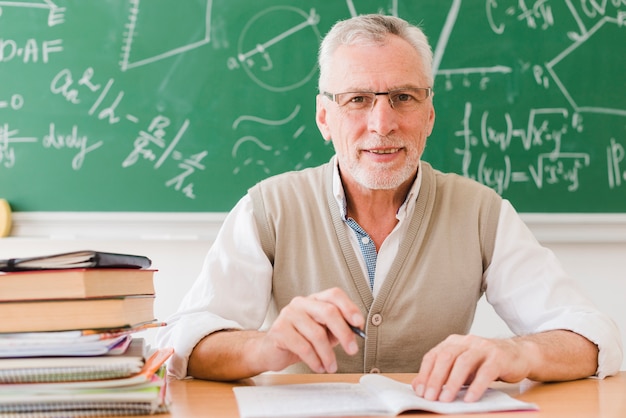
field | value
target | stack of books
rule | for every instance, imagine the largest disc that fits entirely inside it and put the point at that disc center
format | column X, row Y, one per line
column 67, row 345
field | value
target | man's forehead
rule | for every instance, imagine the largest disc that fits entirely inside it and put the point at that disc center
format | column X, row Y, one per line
column 375, row 67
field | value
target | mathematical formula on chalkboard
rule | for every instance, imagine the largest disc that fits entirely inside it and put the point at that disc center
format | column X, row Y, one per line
column 159, row 105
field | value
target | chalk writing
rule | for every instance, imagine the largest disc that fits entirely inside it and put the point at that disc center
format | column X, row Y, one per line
column 616, row 163
column 185, row 105
column 30, row 52
column 64, row 84
column 15, row 102
column 7, row 138
column 189, row 166
column 544, row 130
column 535, row 14
column 73, row 141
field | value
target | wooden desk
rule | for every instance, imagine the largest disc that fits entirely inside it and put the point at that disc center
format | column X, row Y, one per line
column 588, row 398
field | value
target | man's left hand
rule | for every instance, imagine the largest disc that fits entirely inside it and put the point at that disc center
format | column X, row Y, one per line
column 469, row 360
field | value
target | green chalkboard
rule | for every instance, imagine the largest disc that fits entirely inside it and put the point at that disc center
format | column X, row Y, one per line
column 180, row 106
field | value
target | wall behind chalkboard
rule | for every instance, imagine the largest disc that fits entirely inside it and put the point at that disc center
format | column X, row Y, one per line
column 180, row 106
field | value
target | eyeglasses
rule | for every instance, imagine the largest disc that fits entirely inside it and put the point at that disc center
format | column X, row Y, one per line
column 402, row 100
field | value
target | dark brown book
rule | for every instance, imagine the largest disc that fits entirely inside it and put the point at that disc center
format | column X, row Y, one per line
column 75, row 283
column 70, row 314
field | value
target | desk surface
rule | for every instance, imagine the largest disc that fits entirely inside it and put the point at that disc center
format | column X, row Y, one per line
column 582, row 398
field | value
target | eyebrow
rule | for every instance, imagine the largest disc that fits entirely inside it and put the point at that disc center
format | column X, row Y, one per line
column 357, row 89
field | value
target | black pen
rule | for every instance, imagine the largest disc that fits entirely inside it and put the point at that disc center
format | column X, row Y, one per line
column 358, row 331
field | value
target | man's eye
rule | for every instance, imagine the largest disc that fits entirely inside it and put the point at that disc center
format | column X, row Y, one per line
column 359, row 99
column 402, row 97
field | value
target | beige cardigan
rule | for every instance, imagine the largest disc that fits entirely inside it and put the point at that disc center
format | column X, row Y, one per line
column 433, row 285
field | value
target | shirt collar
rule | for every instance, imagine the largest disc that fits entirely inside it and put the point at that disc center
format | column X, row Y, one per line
column 407, row 207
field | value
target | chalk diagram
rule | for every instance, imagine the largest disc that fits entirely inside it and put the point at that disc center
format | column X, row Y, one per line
column 201, row 16
column 56, row 14
column 291, row 29
column 591, row 42
column 271, row 150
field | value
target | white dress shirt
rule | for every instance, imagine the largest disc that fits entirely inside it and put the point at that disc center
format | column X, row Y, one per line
column 526, row 285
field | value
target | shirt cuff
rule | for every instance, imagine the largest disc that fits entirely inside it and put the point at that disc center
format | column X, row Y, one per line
column 603, row 332
column 184, row 333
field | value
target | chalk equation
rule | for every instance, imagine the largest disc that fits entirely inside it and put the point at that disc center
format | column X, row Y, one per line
column 506, row 152
column 545, row 128
column 101, row 100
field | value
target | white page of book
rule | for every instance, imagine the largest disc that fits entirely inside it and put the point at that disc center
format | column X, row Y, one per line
column 374, row 395
column 307, row 400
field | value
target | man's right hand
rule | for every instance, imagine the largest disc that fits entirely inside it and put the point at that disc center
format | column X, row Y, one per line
column 308, row 329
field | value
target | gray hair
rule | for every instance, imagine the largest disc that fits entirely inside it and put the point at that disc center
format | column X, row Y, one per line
column 374, row 28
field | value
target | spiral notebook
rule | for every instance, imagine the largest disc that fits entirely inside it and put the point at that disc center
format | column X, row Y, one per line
column 140, row 394
column 75, row 368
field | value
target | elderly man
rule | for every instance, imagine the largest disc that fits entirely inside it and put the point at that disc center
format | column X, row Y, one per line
column 379, row 240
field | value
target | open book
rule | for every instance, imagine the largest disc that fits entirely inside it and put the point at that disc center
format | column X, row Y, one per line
column 373, row 395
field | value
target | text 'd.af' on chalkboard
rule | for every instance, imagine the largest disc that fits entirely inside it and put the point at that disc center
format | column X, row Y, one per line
column 169, row 106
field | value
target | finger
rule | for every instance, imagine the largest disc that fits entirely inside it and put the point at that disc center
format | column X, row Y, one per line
column 426, row 367
column 485, row 375
column 439, row 365
column 321, row 325
column 321, row 343
column 310, row 320
column 330, row 316
column 337, row 312
column 289, row 338
column 463, row 369
column 349, row 310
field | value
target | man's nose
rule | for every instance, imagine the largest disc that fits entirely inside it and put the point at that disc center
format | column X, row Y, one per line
column 382, row 118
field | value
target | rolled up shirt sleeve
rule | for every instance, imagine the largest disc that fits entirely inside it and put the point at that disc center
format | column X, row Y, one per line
column 232, row 291
column 529, row 289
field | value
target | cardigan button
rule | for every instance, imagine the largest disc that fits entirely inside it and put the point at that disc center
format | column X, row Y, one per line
column 377, row 319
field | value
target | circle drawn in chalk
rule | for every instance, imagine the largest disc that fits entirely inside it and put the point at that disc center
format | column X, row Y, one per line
column 277, row 37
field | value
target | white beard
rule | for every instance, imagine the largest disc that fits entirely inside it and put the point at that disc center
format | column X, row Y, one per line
column 383, row 178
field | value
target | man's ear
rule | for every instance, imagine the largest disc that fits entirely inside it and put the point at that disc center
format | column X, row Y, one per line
column 320, row 117
column 431, row 120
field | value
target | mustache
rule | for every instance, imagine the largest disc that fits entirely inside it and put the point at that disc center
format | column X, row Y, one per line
column 379, row 141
